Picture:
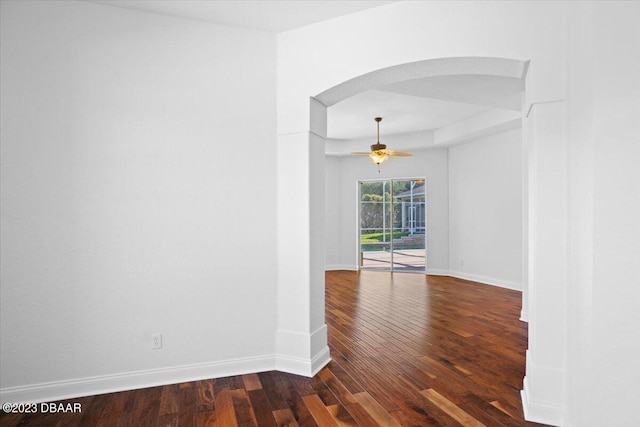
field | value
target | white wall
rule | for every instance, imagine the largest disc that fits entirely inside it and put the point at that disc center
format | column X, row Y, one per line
column 334, row 186
column 137, row 197
column 431, row 164
column 604, row 97
column 485, row 210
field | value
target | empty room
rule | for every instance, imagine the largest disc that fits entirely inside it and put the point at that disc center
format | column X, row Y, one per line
column 203, row 221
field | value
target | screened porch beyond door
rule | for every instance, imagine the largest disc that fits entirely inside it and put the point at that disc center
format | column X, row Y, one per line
column 392, row 220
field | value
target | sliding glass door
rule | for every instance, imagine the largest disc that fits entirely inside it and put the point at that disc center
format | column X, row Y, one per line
column 392, row 219
column 409, row 220
column 375, row 225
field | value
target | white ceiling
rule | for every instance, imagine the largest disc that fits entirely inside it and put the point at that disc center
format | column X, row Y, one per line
column 353, row 117
column 264, row 15
column 422, row 104
column 494, row 91
column 409, row 106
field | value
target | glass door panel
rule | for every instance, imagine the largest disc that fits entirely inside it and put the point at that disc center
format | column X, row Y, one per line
column 409, row 223
column 375, row 225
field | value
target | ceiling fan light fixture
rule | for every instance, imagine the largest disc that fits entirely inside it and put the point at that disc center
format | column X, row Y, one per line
column 379, row 152
column 378, row 157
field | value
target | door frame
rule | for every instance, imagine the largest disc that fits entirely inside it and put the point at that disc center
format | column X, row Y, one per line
column 358, row 223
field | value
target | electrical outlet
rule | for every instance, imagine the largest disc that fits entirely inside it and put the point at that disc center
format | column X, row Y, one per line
column 157, row 341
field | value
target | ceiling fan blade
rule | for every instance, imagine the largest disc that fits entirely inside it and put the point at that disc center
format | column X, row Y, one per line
column 366, row 153
column 397, row 153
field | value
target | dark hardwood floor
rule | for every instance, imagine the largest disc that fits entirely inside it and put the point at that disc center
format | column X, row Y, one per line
column 407, row 349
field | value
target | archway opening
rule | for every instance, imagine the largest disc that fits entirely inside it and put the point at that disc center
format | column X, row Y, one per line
column 495, row 86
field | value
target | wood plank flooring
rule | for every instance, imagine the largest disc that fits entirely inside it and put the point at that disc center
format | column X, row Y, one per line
column 407, row 349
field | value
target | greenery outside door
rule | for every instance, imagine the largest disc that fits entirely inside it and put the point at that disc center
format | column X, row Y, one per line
column 392, row 225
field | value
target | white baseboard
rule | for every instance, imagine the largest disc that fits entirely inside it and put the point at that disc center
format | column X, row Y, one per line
column 543, row 393
column 350, row 267
column 303, row 367
column 540, row 412
column 69, row 389
column 321, row 360
column 299, row 354
column 302, row 353
column 437, row 272
column 487, row 280
column 335, row 267
column 516, row 286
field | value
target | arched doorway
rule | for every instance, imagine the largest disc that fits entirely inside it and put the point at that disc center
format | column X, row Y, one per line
column 301, row 340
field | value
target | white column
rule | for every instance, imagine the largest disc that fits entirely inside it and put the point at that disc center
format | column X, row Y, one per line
column 544, row 384
column 604, row 95
column 526, row 136
column 301, row 338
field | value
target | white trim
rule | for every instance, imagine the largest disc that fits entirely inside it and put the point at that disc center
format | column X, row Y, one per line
column 302, row 353
column 68, row 389
column 320, row 360
column 537, row 411
column 524, row 315
column 89, row 386
column 533, row 104
column 437, row 272
column 335, row 267
column 487, row 280
column 303, row 367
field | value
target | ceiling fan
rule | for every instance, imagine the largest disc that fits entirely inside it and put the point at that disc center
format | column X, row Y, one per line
column 379, row 152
